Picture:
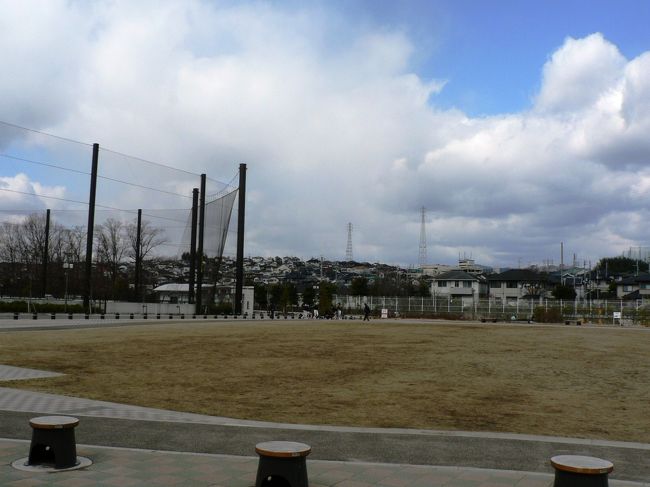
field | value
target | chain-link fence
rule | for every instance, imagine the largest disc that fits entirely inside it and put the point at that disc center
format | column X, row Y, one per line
column 539, row 310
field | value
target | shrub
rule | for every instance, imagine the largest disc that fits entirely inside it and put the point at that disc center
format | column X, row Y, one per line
column 552, row 315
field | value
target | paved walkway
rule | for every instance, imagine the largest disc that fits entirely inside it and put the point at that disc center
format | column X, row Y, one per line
column 395, row 452
column 128, row 467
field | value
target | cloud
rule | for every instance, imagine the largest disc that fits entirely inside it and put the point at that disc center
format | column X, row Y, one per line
column 336, row 127
column 21, row 193
column 579, row 73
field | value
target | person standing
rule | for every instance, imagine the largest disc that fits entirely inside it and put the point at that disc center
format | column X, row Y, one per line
column 366, row 312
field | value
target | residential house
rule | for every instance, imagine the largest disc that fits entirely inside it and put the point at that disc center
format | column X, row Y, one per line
column 634, row 287
column 458, row 284
column 517, row 283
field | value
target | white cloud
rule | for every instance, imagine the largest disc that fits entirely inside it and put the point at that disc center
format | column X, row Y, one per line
column 20, row 193
column 335, row 127
column 579, row 73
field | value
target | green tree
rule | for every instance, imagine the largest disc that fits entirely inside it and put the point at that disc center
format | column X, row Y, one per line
column 325, row 292
column 308, row 296
column 424, row 288
column 289, row 296
column 359, row 286
column 620, row 265
column 562, row 291
column 275, row 292
column 260, row 295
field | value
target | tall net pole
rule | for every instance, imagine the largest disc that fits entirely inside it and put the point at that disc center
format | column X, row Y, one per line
column 194, row 217
column 239, row 272
column 199, row 252
column 423, row 239
column 91, row 225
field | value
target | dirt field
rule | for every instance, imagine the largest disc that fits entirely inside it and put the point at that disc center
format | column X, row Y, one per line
column 549, row 380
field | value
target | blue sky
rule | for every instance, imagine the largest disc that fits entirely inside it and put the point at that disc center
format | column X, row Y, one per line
column 517, row 124
column 492, row 52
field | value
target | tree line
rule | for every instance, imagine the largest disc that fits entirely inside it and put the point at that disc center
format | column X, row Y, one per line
column 285, row 297
column 22, row 256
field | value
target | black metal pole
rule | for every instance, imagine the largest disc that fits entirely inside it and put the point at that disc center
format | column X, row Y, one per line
column 199, row 270
column 46, row 250
column 91, row 225
column 138, row 257
column 195, row 203
column 239, row 272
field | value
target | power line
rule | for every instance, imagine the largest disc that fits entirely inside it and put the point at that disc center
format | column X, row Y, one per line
column 149, row 162
column 144, row 187
column 44, row 196
column 164, row 218
column 44, row 133
column 85, row 203
column 46, row 164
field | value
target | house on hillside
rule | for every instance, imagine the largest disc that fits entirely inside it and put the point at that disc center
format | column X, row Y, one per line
column 634, row 287
column 459, row 284
column 517, row 283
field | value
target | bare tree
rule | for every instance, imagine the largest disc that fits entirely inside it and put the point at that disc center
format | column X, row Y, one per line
column 150, row 238
column 32, row 238
column 75, row 243
column 111, row 248
column 11, row 256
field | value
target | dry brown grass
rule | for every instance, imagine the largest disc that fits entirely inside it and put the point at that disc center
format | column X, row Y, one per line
column 551, row 380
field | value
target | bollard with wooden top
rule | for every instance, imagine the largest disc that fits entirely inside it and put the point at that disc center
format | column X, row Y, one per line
column 53, row 441
column 282, row 463
column 580, row 471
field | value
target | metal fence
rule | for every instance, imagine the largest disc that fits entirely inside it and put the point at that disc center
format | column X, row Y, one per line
column 542, row 310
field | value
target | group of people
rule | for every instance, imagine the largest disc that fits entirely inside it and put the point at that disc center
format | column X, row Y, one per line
column 335, row 313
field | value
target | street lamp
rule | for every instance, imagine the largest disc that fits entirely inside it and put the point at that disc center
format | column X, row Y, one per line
column 67, row 266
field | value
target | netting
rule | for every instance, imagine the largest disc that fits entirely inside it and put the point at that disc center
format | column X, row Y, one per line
column 40, row 171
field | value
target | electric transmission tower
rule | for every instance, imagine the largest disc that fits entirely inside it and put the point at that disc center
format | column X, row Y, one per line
column 423, row 239
column 348, row 249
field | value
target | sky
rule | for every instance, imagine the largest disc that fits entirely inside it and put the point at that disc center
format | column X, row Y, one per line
column 516, row 124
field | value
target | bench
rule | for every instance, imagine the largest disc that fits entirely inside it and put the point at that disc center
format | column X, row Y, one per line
column 282, row 463
column 580, row 471
column 53, row 441
column 576, row 322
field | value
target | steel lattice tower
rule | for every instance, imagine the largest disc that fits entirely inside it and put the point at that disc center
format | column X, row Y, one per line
column 423, row 239
column 348, row 249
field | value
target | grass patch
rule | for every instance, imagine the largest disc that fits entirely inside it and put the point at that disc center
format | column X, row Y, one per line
column 566, row 381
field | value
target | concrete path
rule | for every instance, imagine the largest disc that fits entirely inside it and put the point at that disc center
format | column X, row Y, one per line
column 128, row 467
column 117, row 425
